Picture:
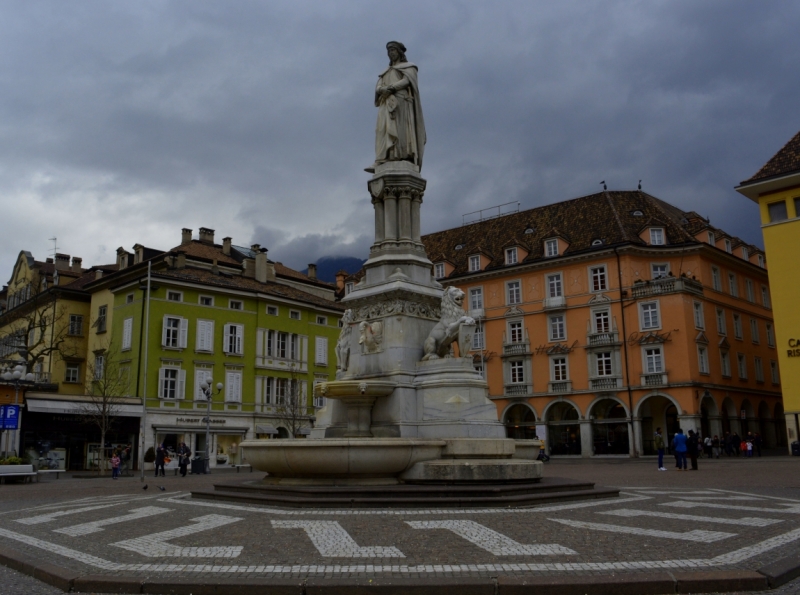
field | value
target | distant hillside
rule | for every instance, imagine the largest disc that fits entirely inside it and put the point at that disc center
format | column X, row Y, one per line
column 328, row 266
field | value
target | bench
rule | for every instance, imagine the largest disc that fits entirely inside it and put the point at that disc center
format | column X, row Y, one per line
column 24, row 471
column 245, row 465
column 56, row 471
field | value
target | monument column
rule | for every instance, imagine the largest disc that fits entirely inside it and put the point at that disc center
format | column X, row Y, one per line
column 404, row 214
column 416, row 203
column 380, row 232
column 390, row 209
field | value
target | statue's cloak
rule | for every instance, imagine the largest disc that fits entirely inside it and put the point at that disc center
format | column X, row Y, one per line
column 409, row 70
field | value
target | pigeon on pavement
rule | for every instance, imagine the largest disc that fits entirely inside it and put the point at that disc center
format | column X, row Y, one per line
column 162, row 488
column 145, row 487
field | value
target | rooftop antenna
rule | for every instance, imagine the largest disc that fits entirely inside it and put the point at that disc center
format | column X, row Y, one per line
column 55, row 246
column 604, row 185
column 640, row 184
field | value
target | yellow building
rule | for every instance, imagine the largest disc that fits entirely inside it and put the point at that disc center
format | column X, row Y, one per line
column 776, row 189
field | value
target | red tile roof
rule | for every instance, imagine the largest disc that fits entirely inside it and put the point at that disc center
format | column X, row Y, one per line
column 785, row 161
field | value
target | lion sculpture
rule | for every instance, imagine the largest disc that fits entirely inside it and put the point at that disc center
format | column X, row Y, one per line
column 437, row 345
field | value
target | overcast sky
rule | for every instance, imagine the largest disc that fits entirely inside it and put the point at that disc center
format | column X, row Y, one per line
column 122, row 122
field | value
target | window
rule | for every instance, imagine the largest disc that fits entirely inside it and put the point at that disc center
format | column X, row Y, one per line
column 321, row 351
column 511, row 256
column 741, row 364
column 282, row 345
column 558, row 369
column 716, row 280
column 770, row 336
column 478, row 338
column 129, row 298
column 765, row 297
column 322, row 320
column 514, row 292
column 517, row 373
column 725, row 360
column 174, row 296
column 206, row 300
column 479, row 368
column 174, row 332
column 76, row 324
column 233, row 386
column 515, row 331
column 737, row 326
column 438, row 270
column 754, row 334
column 602, row 321
column 294, row 314
column 551, row 248
column 745, row 253
column 476, row 298
column 657, row 236
column 598, row 276
column 171, row 382
column 603, row 364
column 557, row 328
column 733, row 285
column 73, row 373
column 712, row 239
column 127, row 333
column 102, row 312
column 761, row 261
column 722, row 328
column 201, row 374
column 702, row 359
column 474, row 263
column 99, row 366
column 699, row 319
column 554, row 286
column 751, row 294
column 649, row 312
column 234, row 339
column 348, row 287
column 728, row 246
column 235, row 304
column 272, row 310
column 281, row 389
column 205, row 336
column 653, row 360
column 658, row 271
column 759, row 365
column 773, row 369
column 777, row 211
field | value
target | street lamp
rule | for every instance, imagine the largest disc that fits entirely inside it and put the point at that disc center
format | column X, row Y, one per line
column 206, row 388
column 16, row 375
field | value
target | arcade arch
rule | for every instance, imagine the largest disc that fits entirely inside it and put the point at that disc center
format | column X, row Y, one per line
column 728, row 417
column 657, row 411
column 766, row 425
column 610, row 434
column 563, row 428
column 520, row 421
column 747, row 418
column 780, row 426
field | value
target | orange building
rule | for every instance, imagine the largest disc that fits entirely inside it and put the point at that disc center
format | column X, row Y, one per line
column 604, row 317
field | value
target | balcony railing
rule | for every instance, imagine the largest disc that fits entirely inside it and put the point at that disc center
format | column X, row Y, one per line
column 521, row 348
column 666, row 285
column 555, row 303
column 477, row 313
column 603, row 338
column 654, row 379
column 560, row 387
column 605, row 383
column 516, row 390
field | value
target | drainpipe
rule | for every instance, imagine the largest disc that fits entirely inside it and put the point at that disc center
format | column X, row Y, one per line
column 625, row 349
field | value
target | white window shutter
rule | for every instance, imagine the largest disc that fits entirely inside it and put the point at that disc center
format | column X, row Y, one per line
column 210, row 335
column 200, row 340
column 127, row 333
column 183, row 341
column 239, row 330
column 161, row 381
column 200, row 375
column 181, row 392
column 239, row 388
column 321, row 347
column 164, row 332
column 226, row 341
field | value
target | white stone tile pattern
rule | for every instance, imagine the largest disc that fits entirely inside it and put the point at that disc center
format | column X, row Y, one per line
column 697, row 535
column 685, row 504
column 50, row 516
column 96, row 526
column 492, row 541
column 155, row 546
column 744, row 521
column 332, row 541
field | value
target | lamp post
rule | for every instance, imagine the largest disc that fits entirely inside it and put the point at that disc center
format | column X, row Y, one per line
column 16, row 375
column 205, row 386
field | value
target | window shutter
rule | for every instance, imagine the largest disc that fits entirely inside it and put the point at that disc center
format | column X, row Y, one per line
column 227, row 338
column 184, row 335
column 321, row 345
column 200, row 340
column 271, row 343
column 239, row 330
column 161, row 382
column 127, row 333
column 200, row 375
column 181, row 391
column 210, row 335
column 164, row 332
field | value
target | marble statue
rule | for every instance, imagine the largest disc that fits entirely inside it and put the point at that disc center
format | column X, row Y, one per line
column 343, row 344
column 400, row 132
column 437, row 345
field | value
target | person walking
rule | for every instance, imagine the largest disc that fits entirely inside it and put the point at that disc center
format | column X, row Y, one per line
column 715, row 446
column 680, row 449
column 692, row 447
column 183, row 458
column 161, row 454
column 659, row 444
column 736, row 443
column 115, row 462
column 708, row 443
column 757, row 443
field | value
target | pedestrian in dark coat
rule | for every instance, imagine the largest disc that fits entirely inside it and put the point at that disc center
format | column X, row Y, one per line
column 161, row 454
column 692, row 448
column 757, row 443
column 183, row 458
column 680, row 449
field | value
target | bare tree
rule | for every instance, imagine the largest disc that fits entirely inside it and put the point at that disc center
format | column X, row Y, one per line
column 292, row 403
column 106, row 386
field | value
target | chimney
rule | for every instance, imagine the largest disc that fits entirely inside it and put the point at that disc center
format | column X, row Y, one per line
column 340, row 277
column 265, row 271
column 312, row 271
column 62, row 262
column 48, row 260
column 98, row 274
column 180, row 260
column 256, row 247
column 76, row 264
column 206, row 235
column 249, row 268
column 226, row 246
column 186, row 236
column 215, row 267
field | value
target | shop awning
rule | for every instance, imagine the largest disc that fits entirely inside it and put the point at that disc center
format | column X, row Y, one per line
column 266, row 430
column 77, row 407
column 165, row 429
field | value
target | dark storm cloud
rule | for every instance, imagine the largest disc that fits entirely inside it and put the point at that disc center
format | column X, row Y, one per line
column 123, row 122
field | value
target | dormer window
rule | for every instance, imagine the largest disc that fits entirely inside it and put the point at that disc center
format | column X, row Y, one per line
column 460, row 247
column 474, row 263
column 438, row 270
column 657, row 236
column 637, row 214
column 551, row 248
column 712, row 239
column 511, row 256
column 348, row 287
column 597, row 242
column 728, row 247
column 529, row 231
column 761, row 260
column 745, row 253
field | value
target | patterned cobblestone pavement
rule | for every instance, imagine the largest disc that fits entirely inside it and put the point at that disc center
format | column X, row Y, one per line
column 709, row 520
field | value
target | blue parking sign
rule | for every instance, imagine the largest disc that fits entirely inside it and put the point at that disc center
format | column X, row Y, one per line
column 10, row 417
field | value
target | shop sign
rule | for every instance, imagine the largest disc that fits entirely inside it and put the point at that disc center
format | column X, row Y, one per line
column 9, row 417
column 199, row 420
column 794, row 344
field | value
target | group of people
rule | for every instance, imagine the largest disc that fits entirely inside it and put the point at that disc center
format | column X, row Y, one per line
column 119, row 459
column 692, row 446
column 162, row 458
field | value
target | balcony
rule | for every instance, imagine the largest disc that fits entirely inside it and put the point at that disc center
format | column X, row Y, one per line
column 555, row 303
column 559, row 387
column 518, row 390
column 613, row 383
column 666, row 285
column 654, row 379
column 519, row 348
column 477, row 313
column 599, row 339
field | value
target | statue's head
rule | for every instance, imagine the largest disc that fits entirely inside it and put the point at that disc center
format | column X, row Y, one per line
column 396, row 51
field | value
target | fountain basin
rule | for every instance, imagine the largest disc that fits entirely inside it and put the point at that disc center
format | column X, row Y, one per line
column 359, row 397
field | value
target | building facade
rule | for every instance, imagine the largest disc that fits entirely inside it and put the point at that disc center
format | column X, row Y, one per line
column 604, row 317
column 776, row 189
